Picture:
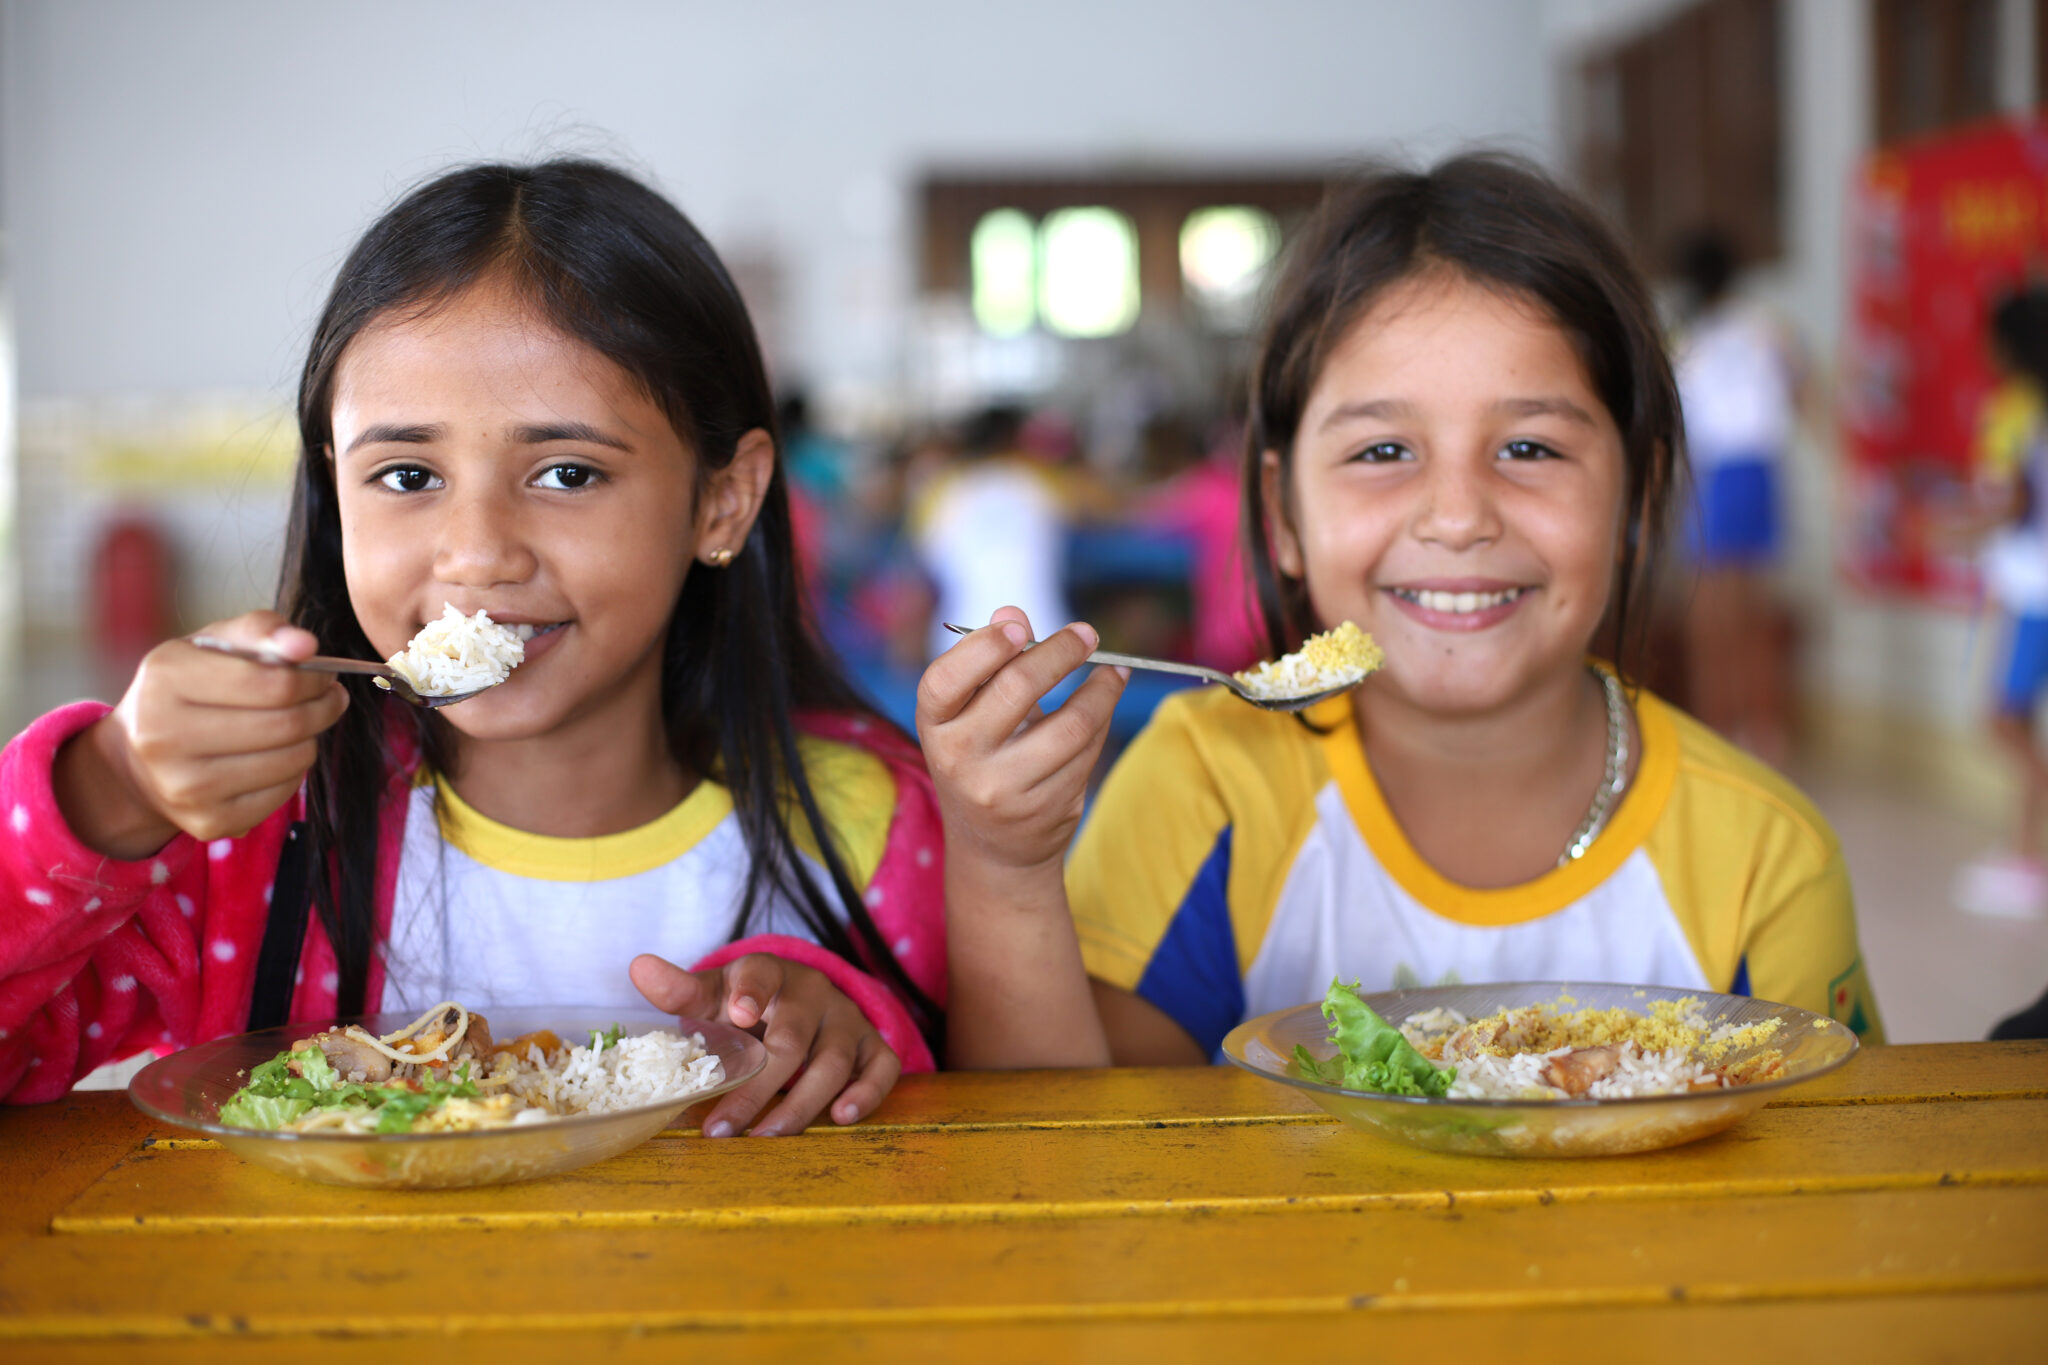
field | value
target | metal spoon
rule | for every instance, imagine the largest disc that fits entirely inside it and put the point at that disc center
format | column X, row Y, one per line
column 384, row 675
column 1301, row 701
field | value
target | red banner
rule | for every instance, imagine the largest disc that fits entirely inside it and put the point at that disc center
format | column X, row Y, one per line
column 1942, row 229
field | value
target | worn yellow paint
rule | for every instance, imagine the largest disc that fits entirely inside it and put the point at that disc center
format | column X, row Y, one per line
column 1205, row 1095
column 1480, row 1260
column 1034, row 1174
column 1055, row 1215
column 1995, row 1325
column 1921, row 1073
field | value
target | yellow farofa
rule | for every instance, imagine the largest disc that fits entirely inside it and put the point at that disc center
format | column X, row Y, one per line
column 1546, row 1028
column 1333, row 658
column 1347, row 649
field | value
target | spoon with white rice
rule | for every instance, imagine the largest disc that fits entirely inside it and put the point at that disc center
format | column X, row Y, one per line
column 1326, row 664
column 450, row 660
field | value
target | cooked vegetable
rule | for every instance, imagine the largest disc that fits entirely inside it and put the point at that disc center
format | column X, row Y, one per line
column 1371, row 1053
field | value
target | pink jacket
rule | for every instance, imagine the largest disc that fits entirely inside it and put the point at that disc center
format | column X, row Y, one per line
column 101, row 959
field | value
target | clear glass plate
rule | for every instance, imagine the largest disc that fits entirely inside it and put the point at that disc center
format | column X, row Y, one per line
column 1812, row 1046
column 188, row 1088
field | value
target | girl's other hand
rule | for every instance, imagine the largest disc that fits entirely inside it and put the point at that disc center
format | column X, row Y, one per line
column 807, row 1023
column 201, row 742
column 1011, row 779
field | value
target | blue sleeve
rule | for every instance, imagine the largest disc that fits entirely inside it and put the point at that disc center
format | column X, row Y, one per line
column 1193, row 973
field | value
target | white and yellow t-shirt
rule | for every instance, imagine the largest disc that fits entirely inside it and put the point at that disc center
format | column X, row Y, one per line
column 491, row 915
column 1236, row 861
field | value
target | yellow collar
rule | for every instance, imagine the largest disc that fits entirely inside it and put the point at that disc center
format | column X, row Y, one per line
column 603, row 857
column 1630, row 824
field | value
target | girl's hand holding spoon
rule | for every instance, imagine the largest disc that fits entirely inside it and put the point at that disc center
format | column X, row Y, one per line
column 202, row 742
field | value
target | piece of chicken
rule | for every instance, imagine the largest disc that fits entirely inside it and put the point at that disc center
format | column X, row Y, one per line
column 476, row 1039
column 1577, row 1070
column 351, row 1058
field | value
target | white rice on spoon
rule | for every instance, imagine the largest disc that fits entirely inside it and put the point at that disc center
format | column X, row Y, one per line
column 459, row 654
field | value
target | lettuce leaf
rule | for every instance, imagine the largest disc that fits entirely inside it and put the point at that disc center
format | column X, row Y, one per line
column 1371, row 1053
column 398, row 1109
column 314, row 1066
column 249, row 1110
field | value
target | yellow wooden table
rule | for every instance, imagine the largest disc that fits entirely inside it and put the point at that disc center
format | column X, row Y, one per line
column 1897, row 1209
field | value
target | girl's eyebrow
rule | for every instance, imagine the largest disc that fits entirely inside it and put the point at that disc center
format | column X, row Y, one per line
column 1368, row 408
column 568, row 431
column 1550, row 406
column 425, row 433
column 399, row 433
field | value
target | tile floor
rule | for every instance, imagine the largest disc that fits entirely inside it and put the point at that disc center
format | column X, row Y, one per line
column 1941, row 974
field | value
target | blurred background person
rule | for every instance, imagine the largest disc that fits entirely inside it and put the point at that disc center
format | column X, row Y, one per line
column 2008, row 517
column 1738, row 377
column 1200, row 497
column 991, row 531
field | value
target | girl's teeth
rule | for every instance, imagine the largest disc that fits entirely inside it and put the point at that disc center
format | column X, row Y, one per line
column 523, row 631
column 1461, row 603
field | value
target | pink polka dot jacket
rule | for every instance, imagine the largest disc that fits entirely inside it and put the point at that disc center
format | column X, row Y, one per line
column 101, row 959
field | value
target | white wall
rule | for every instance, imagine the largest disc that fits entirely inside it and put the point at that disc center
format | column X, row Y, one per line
column 178, row 182
column 183, row 178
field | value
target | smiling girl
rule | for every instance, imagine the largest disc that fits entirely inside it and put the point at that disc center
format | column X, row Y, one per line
column 1464, row 436
column 534, row 392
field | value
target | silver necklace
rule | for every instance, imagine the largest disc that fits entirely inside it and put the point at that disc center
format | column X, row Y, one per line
column 1612, row 780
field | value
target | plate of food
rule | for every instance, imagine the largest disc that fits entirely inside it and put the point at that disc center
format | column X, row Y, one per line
column 1540, row 1068
column 450, row 1097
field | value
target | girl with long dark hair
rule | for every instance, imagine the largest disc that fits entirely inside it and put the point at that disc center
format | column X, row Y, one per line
column 533, row 391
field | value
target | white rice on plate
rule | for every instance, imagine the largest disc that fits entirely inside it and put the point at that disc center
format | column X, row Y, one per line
column 459, row 654
column 1671, row 1072
column 1674, row 1050
column 625, row 1075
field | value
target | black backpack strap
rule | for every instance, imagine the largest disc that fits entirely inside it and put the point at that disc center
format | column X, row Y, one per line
column 284, row 933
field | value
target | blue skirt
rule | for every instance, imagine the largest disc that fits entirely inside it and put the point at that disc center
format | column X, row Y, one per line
column 1735, row 520
column 2024, row 671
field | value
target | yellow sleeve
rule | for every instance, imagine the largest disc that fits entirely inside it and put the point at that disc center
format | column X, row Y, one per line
column 1154, row 825
column 2005, row 427
column 1756, row 877
column 857, row 797
column 1802, row 949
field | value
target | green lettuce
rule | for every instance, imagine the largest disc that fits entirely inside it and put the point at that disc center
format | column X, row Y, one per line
column 1371, row 1053
column 316, row 1069
column 262, row 1111
column 275, row 1095
column 398, row 1109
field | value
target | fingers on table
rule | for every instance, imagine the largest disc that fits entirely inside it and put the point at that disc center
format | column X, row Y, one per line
column 876, row 1068
column 849, row 1071
column 670, row 989
column 790, row 1035
column 751, row 983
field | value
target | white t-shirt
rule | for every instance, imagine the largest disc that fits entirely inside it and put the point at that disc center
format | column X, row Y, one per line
column 1735, row 382
column 991, row 535
column 491, row 915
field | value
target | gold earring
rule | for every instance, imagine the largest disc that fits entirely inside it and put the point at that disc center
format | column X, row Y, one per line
column 719, row 558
